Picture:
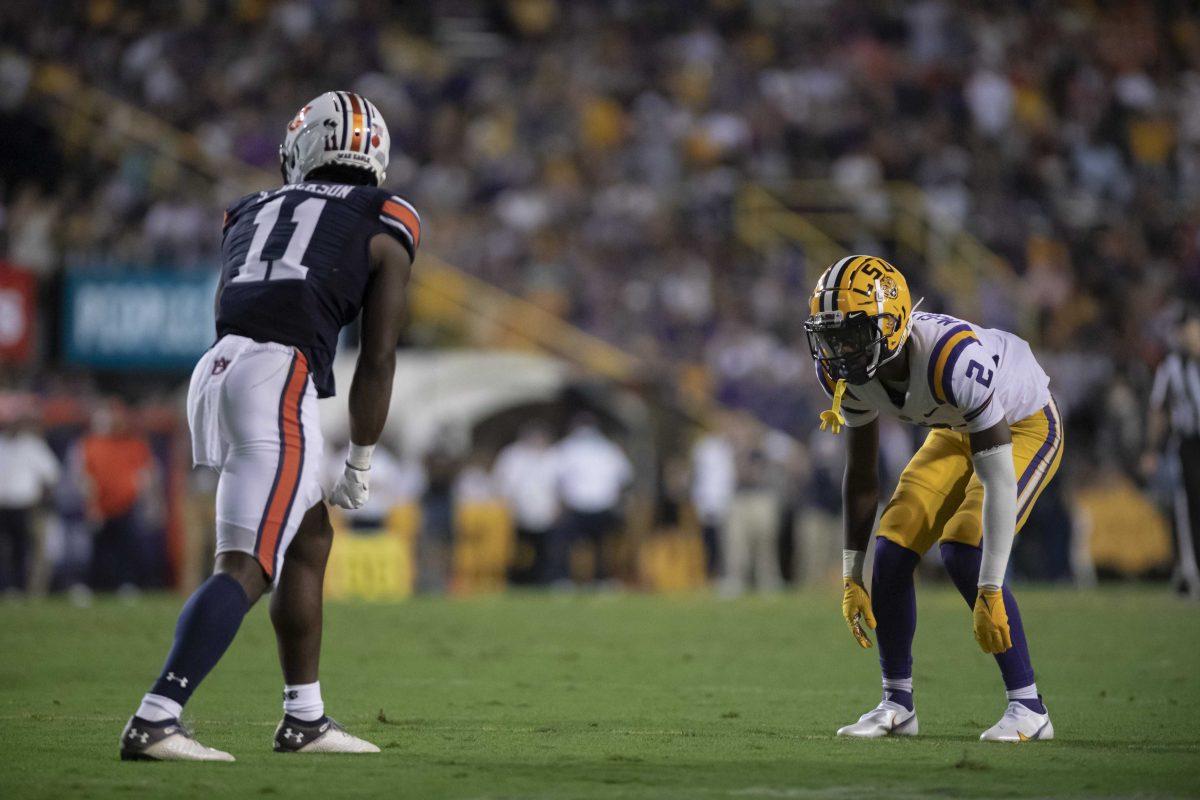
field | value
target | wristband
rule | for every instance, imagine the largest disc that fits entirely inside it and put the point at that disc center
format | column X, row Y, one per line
column 360, row 456
column 852, row 564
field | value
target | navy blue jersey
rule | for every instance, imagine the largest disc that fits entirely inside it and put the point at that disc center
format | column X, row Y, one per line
column 295, row 263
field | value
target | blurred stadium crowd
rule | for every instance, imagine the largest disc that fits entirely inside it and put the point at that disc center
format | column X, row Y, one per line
column 588, row 156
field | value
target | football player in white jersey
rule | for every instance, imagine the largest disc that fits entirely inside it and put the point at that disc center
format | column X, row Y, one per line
column 996, row 442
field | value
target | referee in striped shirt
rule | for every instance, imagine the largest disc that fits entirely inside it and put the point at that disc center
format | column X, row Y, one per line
column 1174, row 421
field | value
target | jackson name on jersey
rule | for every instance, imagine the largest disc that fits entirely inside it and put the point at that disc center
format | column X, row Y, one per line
column 961, row 376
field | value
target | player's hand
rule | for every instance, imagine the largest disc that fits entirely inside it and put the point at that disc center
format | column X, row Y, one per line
column 856, row 609
column 352, row 488
column 991, row 621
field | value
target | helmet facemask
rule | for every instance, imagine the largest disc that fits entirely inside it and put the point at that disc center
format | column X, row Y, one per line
column 850, row 347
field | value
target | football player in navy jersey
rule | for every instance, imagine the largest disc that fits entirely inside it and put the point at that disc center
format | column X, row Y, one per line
column 298, row 264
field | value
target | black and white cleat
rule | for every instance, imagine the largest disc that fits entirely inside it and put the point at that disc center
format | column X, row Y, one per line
column 170, row 740
column 324, row 735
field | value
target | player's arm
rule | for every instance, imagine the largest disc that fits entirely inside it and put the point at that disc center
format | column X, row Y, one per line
column 968, row 382
column 992, row 458
column 383, row 317
column 860, row 501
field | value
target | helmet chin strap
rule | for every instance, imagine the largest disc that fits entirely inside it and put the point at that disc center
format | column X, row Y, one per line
column 904, row 338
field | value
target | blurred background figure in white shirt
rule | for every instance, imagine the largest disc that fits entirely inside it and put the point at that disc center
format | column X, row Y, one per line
column 526, row 475
column 28, row 471
column 714, row 480
column 752, row 533
column 593, row 474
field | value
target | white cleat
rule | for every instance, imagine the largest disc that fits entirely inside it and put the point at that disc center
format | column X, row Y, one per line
column 324, row 735
column 1020, row 724
column 886, row 719
column 164, row 741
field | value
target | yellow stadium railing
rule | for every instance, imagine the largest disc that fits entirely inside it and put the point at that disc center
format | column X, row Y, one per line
column 762, row 221
column 827, row 223
column 443, row 296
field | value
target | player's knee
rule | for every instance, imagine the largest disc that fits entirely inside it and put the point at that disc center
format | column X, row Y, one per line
column 244, row 569
column 963, row 528
column 903, row 521
column 314, row 539
column 962, row 564
column 893, row 561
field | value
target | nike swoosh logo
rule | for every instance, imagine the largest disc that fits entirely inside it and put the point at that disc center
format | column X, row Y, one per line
column 1022, row 737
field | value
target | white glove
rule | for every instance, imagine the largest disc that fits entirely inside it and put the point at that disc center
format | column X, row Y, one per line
column 353, row 487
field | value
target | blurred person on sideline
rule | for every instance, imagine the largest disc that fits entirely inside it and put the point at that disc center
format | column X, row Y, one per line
column 752, row 535
column 30, row 470
column 593, row 474
column 526, row 475
column 435, row 540
column 1174, row 427
column 117, row 471
column 714, row 480
column 786, row 473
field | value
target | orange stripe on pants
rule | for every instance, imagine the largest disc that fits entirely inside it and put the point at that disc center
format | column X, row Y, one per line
column 291, row 459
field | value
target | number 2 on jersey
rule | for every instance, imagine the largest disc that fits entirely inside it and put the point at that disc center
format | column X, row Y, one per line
column 976, row 370
column 274, row 265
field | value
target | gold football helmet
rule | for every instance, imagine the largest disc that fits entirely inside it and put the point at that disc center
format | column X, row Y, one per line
column 860, row 315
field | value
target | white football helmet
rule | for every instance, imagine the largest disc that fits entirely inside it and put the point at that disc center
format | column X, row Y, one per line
column 335, row 128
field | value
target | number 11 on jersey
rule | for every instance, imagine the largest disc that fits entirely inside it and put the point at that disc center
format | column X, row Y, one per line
column 272, row 265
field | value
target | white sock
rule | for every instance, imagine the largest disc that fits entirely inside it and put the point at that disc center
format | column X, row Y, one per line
column 898, row 684
column 303, row 701
column 156, row 708
column 1029, row 692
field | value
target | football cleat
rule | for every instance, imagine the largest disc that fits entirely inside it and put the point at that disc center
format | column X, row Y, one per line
column 885, row 719
column 1020, row 724
column 324, row 735
column 164, row 741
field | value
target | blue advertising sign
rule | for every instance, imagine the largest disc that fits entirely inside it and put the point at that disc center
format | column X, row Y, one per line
column 138, row 319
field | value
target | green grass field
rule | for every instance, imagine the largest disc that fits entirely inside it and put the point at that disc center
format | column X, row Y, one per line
column 607, row 696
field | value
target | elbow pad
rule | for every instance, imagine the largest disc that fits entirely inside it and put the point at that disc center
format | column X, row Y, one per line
column 995, row 470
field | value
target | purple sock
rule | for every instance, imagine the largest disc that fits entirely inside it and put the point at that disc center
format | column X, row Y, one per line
column 209, row 621
column 1036, row 706
column 962, row 562
column 899, row 696
column 894, row 600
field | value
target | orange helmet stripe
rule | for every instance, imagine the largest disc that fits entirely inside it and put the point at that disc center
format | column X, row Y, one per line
column 356, row 123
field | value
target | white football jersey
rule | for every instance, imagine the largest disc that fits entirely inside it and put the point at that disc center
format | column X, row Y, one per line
column 961, row 376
